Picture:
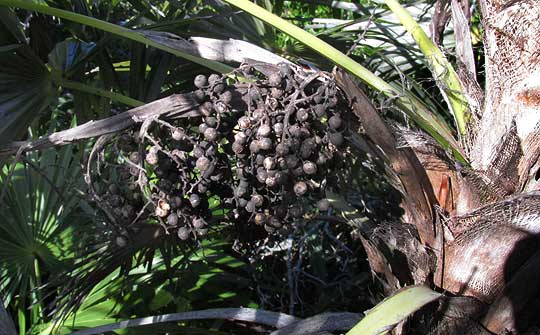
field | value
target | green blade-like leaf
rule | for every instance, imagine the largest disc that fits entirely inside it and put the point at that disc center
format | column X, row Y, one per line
column 130, row 34
column 409, row 103
column 25, row 90
column 394, row 309
column 25, row 86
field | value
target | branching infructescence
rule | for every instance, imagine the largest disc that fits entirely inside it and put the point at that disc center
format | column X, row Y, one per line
column 260, row 152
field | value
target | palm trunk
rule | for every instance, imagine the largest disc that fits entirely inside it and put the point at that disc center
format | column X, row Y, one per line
column 471, row 231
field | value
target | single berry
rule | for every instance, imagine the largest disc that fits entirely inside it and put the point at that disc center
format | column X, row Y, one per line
column 274, row 79
column 211, row 134
column 335, row 122
column 309, row 167
column 202, row 163
column 200, row 81
column 183, row 233
column 198, row 223
column 323, row 205
column 172, row 219
column 300, row 188
column 194, row 200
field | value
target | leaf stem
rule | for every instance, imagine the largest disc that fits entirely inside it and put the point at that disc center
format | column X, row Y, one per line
column 98, row 91
column 441, row 69
column 114, row 29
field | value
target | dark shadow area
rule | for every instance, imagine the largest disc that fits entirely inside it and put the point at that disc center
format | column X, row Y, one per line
column 516, row 308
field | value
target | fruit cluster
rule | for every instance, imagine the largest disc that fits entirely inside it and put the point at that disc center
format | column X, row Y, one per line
column 262, row 152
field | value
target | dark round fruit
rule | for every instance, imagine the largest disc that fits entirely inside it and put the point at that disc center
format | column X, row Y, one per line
column 214, row 78
column 336, row 139
column 278, row 128
column 322, row 158
column 300, row 188
column 309, row 167
column 257, row 199
column 265, row 143
column 134, row 157
column 237, row 147
column 271, row 181
column 250, row 206
column 198, row 223
column 295, row 130
column 302, row 115
column 269, row 163
column 210, row 121
column 298, row 171
column 128, row 211
column 280, row 212
column 199, row 95
column 183, row 233
column 207, row 108
column 172, row 219
column 198, row 151
column 202, row 188
column 242, row 202
column 121, row 241
column 332, row 102
column 259, row 219
column 202, row 163
column 284, row 69
column 254, row 146
column 200, row 81
column 226, row 97
column 176, row 202
column 276, row 92
column 274, row 79
column 194, row 200
column 264, row 131
column 275, row 222
column 244, row 122
column 282, row 149
column 259, row 159
column 202, row 128
column 269, row 229
column 254, row 94
column 262, row 175
column 335, row 122
column 240, row 191
column 211, row 134
column 323, row 205
column 296, row 211
column 240, row 137
column 221, row 107
column 292, row 161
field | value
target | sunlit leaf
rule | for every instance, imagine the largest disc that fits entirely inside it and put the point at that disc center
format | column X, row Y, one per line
column 394, row 309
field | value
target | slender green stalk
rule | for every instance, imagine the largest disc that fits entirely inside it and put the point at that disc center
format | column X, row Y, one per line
column 37, row 307
column 98, row 91
column 405, row 100
column 441, row 69
column 114, row 29
column 21, row 318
